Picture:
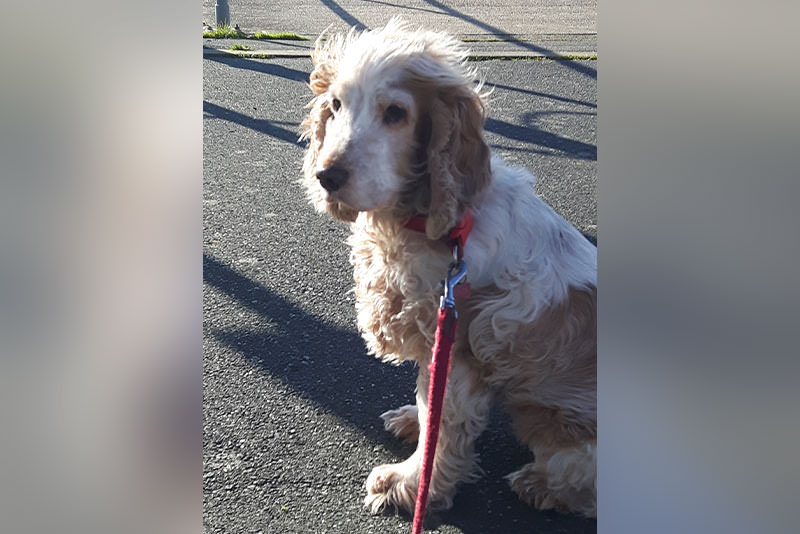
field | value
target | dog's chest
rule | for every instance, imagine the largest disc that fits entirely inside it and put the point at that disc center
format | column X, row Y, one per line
column 397, row 292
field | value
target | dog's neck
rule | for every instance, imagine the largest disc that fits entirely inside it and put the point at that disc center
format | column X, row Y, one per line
column 401, row 236
column 399, row 254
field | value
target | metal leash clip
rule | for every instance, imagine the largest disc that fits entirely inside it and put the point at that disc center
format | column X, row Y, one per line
column 455, row 275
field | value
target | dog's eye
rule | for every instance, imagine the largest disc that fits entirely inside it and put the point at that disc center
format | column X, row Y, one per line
column 394, row 114
column 336, row 104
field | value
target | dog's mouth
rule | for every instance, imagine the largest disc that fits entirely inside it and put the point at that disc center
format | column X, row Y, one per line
column 334, row 201
column 335, row 197
column 347, row 198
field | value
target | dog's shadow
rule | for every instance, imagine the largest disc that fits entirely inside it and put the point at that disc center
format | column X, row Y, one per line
column 302, row 354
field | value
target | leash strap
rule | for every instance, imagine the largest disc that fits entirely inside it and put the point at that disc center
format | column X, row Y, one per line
column 439, row 369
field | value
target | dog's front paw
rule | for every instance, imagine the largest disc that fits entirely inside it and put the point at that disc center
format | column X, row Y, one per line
column 392, row 486
column 402, row 422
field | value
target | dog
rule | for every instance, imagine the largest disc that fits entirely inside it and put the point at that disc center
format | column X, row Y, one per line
column 394, row 132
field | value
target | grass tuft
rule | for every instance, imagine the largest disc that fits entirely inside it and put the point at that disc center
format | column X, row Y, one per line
column 240, row 46
column 223, row 32
column 226, row 32
column 283, row 36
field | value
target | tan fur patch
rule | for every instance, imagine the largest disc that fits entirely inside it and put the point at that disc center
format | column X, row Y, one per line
column 457, row 156
column 548, row 373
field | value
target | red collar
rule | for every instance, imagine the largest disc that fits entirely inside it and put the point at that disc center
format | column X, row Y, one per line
column 457, row 236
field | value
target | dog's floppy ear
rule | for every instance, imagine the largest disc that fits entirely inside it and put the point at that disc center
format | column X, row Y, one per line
column 325, row 58
column 458, row 157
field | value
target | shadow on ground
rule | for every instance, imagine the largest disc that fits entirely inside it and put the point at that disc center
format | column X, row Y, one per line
column 262, row 67
column 304, row 353
column 304, row 349
column 499, row 32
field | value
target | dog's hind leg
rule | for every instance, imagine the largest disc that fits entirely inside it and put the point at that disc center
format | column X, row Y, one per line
column 563, row 475
column 403, row 422
column 564, row 480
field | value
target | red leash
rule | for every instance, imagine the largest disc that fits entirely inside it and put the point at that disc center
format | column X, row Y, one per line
column 439, row 367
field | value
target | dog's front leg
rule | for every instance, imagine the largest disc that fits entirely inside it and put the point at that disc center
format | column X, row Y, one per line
column 464, row 417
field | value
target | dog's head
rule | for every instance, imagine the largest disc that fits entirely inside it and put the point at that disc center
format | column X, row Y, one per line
column 395, row 125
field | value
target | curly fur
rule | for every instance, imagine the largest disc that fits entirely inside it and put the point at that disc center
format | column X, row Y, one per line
column 527, row 334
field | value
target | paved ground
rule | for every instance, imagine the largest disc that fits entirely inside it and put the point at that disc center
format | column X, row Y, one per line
column 291, row 400
column 584, row 46
column 466, row 18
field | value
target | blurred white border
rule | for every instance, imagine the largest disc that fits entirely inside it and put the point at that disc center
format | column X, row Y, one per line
column 698, row 185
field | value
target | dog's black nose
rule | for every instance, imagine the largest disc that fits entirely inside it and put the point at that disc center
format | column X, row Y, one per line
column 332, row 178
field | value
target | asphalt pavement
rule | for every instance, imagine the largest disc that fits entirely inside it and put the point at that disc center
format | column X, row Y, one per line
column 291, row 399
column 464, row 18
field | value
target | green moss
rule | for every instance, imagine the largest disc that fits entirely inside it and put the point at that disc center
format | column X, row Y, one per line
column 223, row 32
column 560, row 57
column 284, row 36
